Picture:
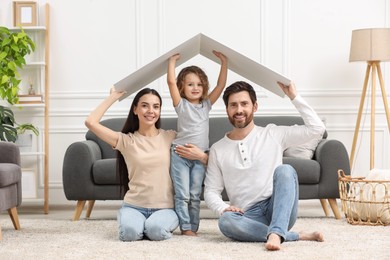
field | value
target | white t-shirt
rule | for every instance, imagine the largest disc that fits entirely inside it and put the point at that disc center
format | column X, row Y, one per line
column 246, row 167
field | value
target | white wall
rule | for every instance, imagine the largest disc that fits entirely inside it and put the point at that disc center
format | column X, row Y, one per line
column 95, row 43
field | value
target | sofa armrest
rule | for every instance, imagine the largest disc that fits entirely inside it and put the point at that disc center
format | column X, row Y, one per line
column 9, row 153
column 77, row 169
column 332, row 156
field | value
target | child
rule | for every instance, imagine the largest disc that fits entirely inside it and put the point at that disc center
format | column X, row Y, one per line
column 192, row 104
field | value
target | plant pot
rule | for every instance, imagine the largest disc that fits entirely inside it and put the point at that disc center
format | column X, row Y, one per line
column 24, row 141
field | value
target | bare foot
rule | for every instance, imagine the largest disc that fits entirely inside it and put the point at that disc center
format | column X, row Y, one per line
column 188, row 233
column 273, row 242
column 314, row 236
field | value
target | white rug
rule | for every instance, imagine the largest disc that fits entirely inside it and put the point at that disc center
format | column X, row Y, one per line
column 98, row 239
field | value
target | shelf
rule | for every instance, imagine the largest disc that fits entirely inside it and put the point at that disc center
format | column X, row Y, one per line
column 29, row 28
column 31, row 105
column 35, row 74
column 35, row 63
column 32, row 153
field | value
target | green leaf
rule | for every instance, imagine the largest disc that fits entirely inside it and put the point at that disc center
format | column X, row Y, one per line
column 3, row 55
column 5, row 42
column 4, row 30
column 6, row 112
column 15, row 47
column 15, row 90
column 12, row 65
column 22, row 35
column 4, row 79
column 15, row 81
column 8, row 133
column 15, row 38
column 25, row 127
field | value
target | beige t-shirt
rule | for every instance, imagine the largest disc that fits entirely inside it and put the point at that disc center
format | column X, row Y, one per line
column 148, row 160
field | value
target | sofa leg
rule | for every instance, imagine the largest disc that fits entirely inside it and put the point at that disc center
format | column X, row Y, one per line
column 324, row 205
column 90, row 205
column 13, row 213
column 79, row 209
column 335, row 209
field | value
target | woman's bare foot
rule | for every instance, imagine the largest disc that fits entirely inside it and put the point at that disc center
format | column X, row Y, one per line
column 314, row 236
column 273, row 242
column 188, row 233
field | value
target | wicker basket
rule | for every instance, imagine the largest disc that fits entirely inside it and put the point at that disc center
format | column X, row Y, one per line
column 365, row 202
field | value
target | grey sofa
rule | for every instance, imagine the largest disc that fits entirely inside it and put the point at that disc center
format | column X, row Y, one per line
column 89, row 169
column 10, row 181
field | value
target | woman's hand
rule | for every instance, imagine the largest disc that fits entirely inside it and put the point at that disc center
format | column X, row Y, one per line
column 116, row 94
column 192, row 152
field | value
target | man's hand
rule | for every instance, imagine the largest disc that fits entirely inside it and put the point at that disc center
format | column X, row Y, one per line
column 289, row 90
column 234, row 209
column 191, row 152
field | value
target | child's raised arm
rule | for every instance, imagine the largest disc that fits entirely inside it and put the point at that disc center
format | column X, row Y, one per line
column 214, row 95
column 171, row 80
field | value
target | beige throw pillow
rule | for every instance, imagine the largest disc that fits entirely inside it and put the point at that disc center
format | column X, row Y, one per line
column 304, row 151
column 376, row 197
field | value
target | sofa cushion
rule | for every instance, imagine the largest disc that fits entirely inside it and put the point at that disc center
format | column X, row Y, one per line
column 104, row 172
column 308, row 170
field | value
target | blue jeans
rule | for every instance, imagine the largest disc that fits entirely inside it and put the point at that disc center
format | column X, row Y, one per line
column 155, row 224
column 187, row 177
column 276, row 214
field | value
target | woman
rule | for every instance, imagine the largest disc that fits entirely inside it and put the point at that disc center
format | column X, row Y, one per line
column 143, row 160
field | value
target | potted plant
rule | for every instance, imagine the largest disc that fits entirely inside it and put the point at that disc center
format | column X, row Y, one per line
column 9, row 129
column 14, row 46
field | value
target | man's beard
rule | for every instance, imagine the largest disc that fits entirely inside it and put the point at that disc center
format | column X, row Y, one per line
column 241, row 124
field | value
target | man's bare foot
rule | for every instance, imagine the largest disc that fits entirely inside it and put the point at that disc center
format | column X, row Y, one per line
column 188, row 233
column 273, row 242
column 314, row 236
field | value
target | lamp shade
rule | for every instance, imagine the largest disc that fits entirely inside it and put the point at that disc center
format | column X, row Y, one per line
column 370, row 45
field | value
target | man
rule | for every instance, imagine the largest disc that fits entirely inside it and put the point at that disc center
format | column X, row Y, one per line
column 247, row 162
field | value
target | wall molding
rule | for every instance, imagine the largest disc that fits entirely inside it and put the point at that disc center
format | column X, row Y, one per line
column 320, row 93
column 321, row 110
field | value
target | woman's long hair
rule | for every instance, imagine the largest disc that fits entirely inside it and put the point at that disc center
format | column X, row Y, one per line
column 132, row 125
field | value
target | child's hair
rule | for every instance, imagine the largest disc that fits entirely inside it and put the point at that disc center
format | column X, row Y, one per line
column 197, row 71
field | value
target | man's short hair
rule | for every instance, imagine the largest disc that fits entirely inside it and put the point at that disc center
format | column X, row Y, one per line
column 238, row 87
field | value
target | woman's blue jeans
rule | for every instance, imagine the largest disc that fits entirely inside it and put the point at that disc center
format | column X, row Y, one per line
column 274, row 215
column 155, row 224
column 187, row 177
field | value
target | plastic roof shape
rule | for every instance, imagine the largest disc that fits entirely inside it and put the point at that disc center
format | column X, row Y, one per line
column 203, row 45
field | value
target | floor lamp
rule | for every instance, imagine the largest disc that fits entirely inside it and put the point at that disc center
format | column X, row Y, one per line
column 372, row 46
